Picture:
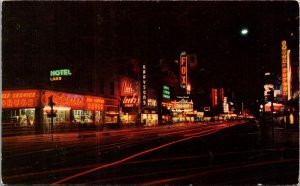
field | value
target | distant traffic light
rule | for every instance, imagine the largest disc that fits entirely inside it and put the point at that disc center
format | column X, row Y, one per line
column 52, row 112
column 50, row 101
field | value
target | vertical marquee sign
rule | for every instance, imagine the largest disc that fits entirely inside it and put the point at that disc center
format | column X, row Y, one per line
column 183, row 70
column 214, row 97
column 144, row 87
column 284, row 71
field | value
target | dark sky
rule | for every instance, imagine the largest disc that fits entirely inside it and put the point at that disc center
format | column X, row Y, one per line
column 41, row 35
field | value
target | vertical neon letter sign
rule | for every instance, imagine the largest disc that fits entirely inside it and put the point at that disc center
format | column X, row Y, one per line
column 284, row 71
column 183, row 69
column 144, row 89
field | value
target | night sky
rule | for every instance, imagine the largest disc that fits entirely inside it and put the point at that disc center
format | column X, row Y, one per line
column 38, row 36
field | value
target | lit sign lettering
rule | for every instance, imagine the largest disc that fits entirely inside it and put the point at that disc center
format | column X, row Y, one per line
column 214, row 96
column 20, row 99
column 94, row 103
column 129, row 93
column 128, row 87
column 166, row 92
column 284, row 71
column 56, row 75
column 183, row 70
column 144, row 86
column 74, row 101
column 62, row 72
column 63, row 99
column 130, row 101
column 183, row 97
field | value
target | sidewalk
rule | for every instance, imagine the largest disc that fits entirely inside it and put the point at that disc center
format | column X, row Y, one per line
column 280, row 137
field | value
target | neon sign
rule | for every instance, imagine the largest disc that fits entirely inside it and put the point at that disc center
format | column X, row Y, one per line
column 166, row 92
column 62, row 72
column 74, row 101
column 94, row 103
column 56, row 75
column 128, row 87
column 129, row 93
column 214, row 96
column 284, row 71
column 183, row 70
column 130, row 101
column 20, row 99
column 144, row 89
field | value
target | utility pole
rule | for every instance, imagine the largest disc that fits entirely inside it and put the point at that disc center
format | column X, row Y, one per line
column 272, row 109
column 52, row 113
column 270, row 95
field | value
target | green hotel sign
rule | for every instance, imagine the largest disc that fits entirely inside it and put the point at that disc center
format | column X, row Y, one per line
column 56, row 75
column 61, row 72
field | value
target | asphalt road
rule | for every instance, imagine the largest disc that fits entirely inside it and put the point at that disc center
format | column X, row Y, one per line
column 191, row 153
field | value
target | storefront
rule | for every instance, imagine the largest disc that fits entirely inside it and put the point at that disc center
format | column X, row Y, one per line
column 166, row 115
column 182, row 111
column 149, row 116
column 30, row 108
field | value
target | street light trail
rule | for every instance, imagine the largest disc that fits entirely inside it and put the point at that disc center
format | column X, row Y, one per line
column 231, row 168
column 93, row 148
column 120, row 161
column 131, row 157
column 51, row 146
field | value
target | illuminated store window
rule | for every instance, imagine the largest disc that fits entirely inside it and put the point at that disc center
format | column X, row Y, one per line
column 61, row 118
column 82, row 117
column 98, row 117
column 18, row 117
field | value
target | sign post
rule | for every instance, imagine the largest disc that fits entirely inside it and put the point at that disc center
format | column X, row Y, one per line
column 52, row 114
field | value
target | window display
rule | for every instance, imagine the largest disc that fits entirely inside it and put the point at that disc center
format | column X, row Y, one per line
column 82, row 117
column 19, row 117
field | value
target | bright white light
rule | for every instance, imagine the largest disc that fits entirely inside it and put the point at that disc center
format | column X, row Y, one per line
column 244, row 31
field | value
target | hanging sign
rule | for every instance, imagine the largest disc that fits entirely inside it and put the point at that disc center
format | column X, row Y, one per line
column 183, row 69
column 284, row 71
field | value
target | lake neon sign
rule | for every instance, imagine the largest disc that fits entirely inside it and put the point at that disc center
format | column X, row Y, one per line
column 57, row 75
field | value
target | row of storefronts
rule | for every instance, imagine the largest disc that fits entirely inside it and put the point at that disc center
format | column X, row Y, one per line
column 29, row 108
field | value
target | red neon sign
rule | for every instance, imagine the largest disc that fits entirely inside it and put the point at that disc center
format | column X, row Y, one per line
column 214, row 96
column 20, row 98
column 183, row 71
column 74, row 101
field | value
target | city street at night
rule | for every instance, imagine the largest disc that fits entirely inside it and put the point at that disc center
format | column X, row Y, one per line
column 150, row 93
column 199, row 153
